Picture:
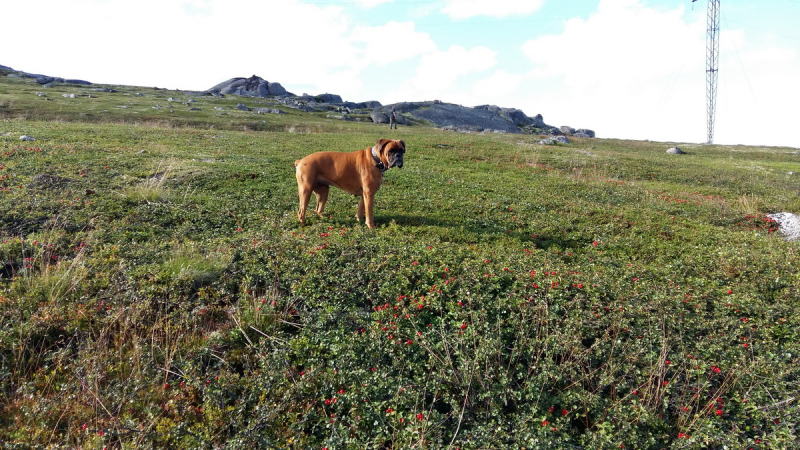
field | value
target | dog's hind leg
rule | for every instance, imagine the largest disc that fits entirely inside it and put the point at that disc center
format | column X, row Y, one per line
column 305, row 196
column 304, row 192
column 321, row 192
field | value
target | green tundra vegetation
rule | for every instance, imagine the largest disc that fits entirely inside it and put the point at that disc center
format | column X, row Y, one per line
column 156, row 289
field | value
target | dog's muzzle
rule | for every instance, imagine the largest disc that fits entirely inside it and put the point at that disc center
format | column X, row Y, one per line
column 396, row 161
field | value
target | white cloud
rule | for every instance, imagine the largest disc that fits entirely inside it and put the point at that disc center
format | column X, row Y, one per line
column 634, row 72
column 439, row 71
column 195, row 44
column 372, row 3
column 500, row 83
column 625, row 71
column 392, row 42
column 464, row 9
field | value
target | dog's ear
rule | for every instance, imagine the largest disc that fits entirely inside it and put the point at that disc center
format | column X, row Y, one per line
column 380, row 144
column 403, row 144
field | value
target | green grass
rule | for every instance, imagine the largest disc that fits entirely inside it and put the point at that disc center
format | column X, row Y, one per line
column 156, row 289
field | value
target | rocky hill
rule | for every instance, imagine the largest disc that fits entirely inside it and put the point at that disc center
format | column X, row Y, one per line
column 447, row 116
column 44, row 80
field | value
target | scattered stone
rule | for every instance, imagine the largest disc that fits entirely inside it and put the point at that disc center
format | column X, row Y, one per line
column 675, row 151
column 139, row 94
column 68, row 95
column 219, row 108
column 104, row 90
column 788, row 223
column 26, row 138
column 338, row 116
column 172, row 99
column 268, row 111
column 242, row 107
column 555, row 140
column 41, row 94
column 194, row 109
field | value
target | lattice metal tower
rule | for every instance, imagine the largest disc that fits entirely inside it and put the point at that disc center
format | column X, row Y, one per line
column 712, row 64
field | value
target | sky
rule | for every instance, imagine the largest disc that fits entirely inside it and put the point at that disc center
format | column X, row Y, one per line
column 629, row 69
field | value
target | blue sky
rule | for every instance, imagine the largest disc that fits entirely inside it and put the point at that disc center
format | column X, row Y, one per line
column 632, row 69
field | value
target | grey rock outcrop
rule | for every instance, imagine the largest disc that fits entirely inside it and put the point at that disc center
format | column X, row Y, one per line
column 254, row 86
column 513, row 115
column 381, row 115
column 44, row 80
column 569, row 131
column 538, row 121
column 372, row 104
column 448, row 116
column 675, row 151
column 328, row 98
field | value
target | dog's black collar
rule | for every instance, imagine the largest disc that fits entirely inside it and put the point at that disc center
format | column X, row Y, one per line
column 379, row 164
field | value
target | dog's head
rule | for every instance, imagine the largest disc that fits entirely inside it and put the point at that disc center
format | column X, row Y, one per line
column 392, row 150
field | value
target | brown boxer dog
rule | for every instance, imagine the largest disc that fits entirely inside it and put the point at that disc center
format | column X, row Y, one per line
column 359, row 173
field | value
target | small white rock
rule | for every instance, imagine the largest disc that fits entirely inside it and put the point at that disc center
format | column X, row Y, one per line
column 788, row 223
column 26, row 138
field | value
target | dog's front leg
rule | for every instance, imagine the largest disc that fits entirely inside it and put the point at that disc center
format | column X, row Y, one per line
column 369, row 200
column 360, row 210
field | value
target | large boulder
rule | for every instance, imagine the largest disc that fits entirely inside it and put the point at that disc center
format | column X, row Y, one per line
column 513, row 115
column 538, row 121
column 381, row 115
column 362, row 105
column 254, row 86
column 328, row 98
